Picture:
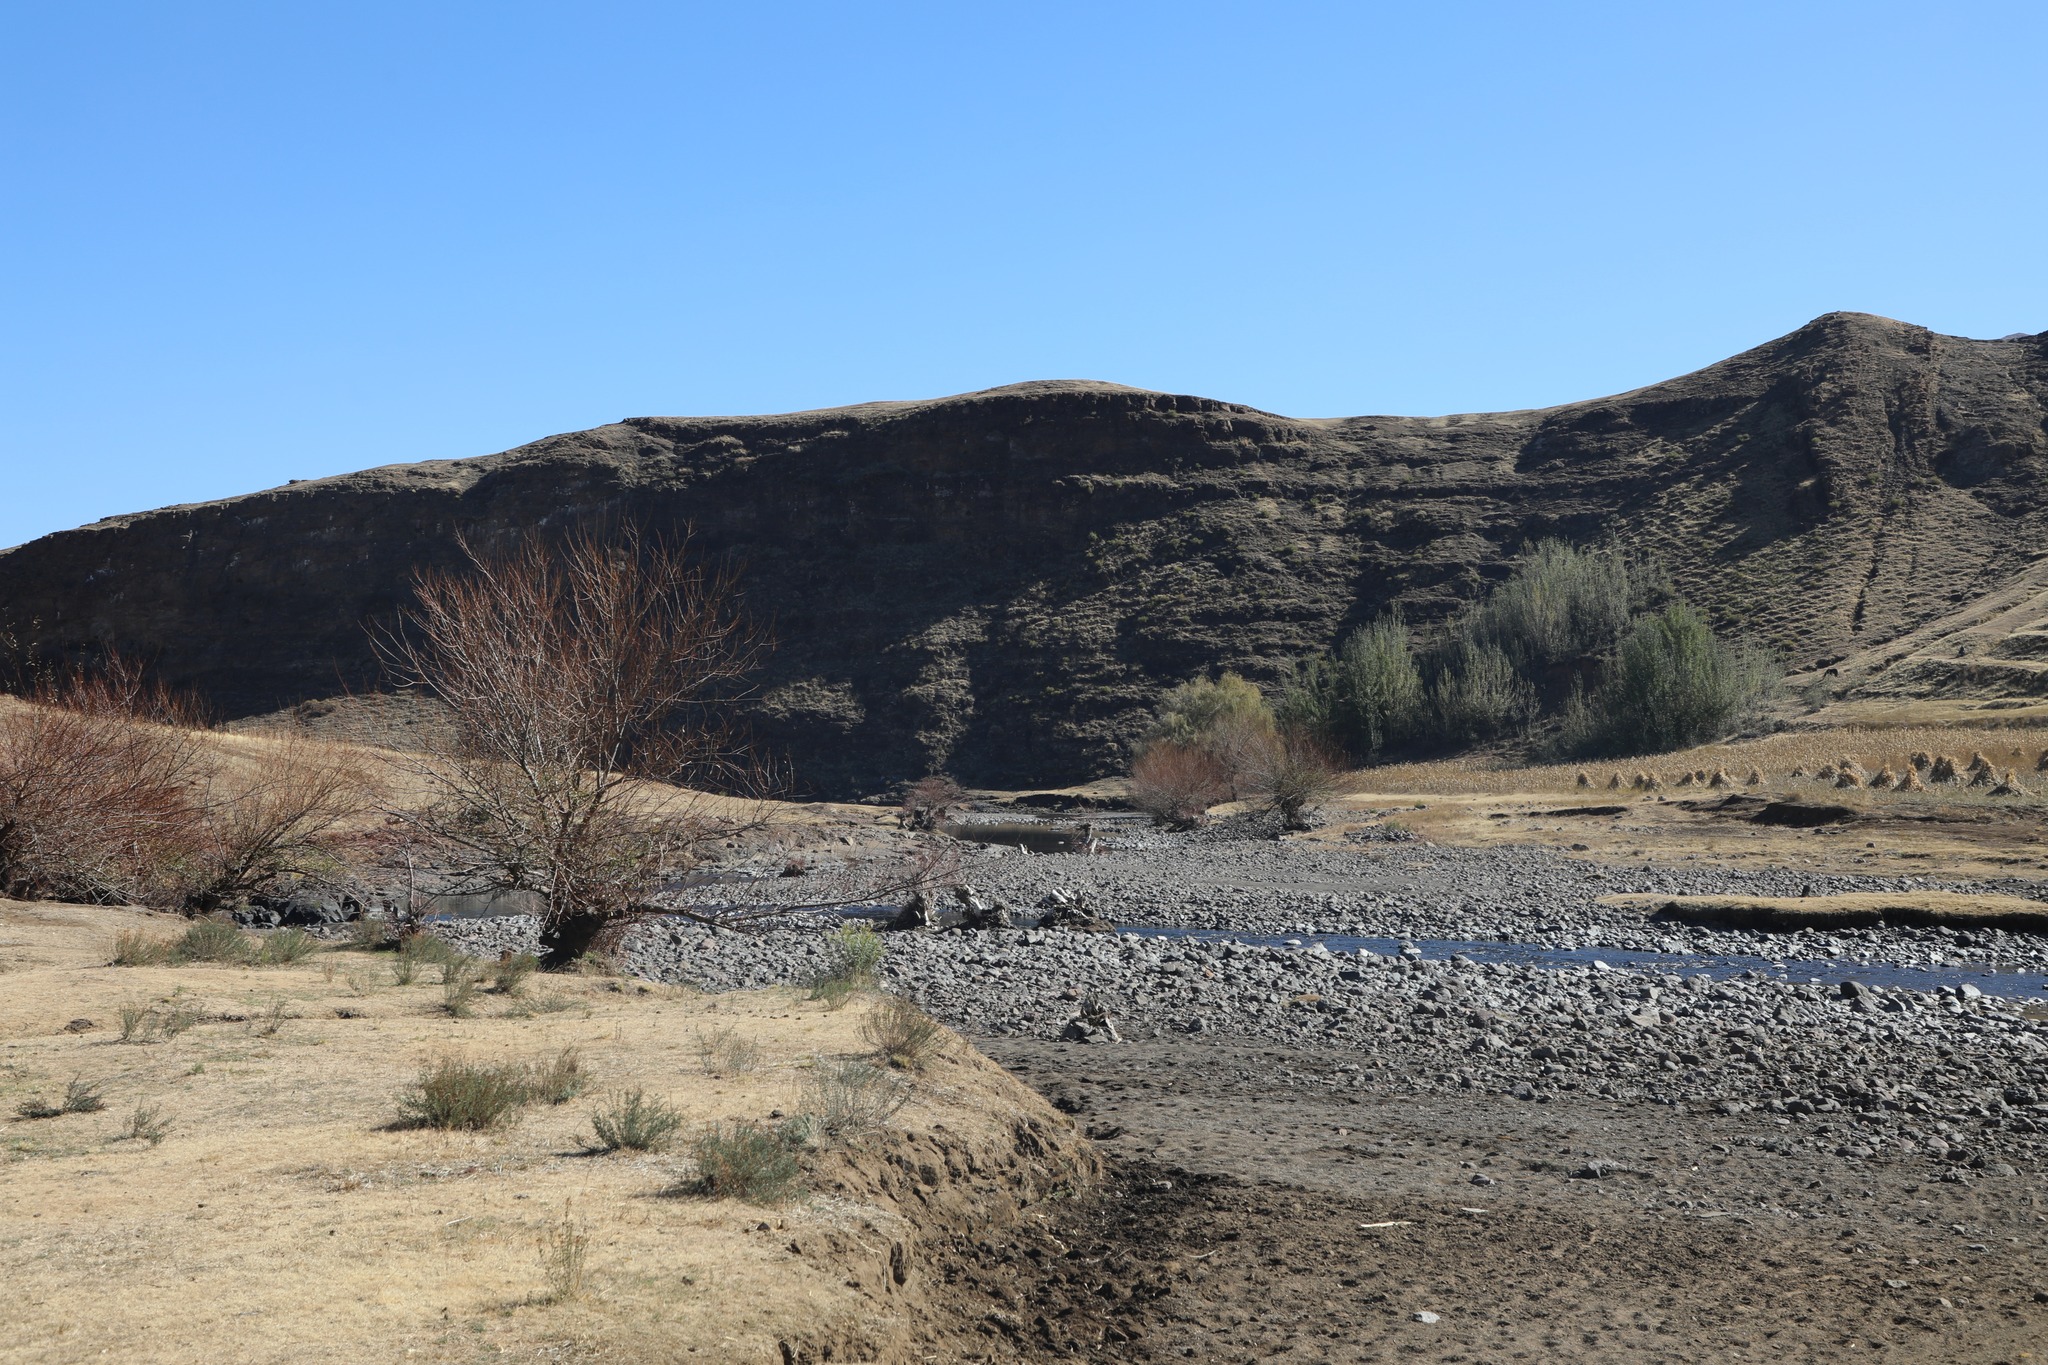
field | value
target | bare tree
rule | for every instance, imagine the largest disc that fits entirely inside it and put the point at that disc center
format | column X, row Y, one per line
column 928, row 801
column 587, row 681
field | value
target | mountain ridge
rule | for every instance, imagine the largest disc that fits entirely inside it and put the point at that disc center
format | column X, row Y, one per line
column 999, row 582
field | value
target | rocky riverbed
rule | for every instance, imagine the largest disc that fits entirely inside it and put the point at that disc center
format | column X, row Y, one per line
column 1953, row 1077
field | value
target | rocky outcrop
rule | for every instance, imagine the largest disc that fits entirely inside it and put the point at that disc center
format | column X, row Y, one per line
column 999, row 583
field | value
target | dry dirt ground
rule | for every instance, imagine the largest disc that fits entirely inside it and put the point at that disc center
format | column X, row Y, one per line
column 1261, row 1210
column 283, row 1217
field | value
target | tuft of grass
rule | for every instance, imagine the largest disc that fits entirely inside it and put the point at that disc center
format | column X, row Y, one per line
column 139, row 1023
column 37, row 1108
column 904, row 1036
column 846, row 1101
column 557, row 1081
column 724, row 1052
column 135, row 948
column 177, row 1020
column 565, row 1260
column 746, row 1161
column 512, row 972
column 83, row 1097
column 214, row 940
column 451, row 1094
column 272, row 1021
column 417, row 952
column 459, row 981
column 287, row 946
column 148, row 1124
column 853, row 954
column 632, row 1122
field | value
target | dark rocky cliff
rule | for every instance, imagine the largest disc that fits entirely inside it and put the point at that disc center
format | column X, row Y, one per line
column 999, row 583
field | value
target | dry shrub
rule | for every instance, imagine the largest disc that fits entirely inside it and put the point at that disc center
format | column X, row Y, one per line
column 747, row 1161
column 138, row 948
column 1292, row 776
column 726, row 1052
column 632, row 1122
column 267, row 820
column 565, row 1260
column 461, row 1095
column 559, row 1080
column 148, row 1124
column 1176, row 783
column 96, row 771
column 903, row 1035
column 849, row 1100
column 214, row 940
column 929, row 800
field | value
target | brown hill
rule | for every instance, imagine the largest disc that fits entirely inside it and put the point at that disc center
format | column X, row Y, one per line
column 1000, row 582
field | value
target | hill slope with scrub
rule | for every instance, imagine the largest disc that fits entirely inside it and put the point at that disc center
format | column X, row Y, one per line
column 1002, row 583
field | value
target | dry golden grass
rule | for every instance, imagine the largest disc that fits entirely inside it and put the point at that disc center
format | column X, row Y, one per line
column 283, row 1219
column 1874, row 747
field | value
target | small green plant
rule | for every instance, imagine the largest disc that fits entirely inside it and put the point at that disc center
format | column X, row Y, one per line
column 148, row 1124
column 747, row 1161
column 459, row 981
column 557, row 1081
column 848, row 1100
column 903, row 1035
column 565, row 1260
column 214, row 940
column 83, row 1097
column 853, row 953
column 512, row 972
column 287, row 946
column 135, row 948
column 461, row 1095
column 138, row 1023
column 725, row 1052
column 635, row 1123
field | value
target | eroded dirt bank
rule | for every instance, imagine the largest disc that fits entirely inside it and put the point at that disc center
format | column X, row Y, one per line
column 1260, row 1209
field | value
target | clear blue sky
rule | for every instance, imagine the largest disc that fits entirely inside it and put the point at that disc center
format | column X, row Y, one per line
column 246, row 243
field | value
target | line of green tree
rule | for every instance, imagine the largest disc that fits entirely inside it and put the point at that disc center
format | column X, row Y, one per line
column 1586, row 651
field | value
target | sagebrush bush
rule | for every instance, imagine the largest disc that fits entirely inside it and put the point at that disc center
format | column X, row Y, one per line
column 903, row 1035
column 558, row 1080
column 148, row 1124
column 633, row 1122
column 83, row 1097
column 746, row 1161
column 848, row 1100
column 453, row 1094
